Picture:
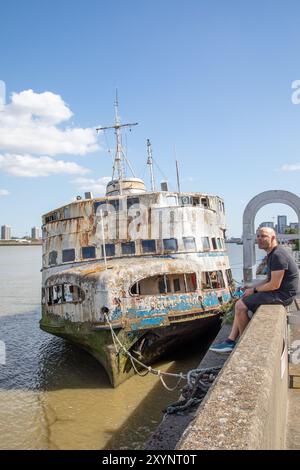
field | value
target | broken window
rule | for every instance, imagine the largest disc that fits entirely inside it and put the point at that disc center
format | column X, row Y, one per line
column 204, row 202
column 88, row 252
column 164, row 284
column 68, row 255
column 148, row 246
column 128, row 248
column 212, row 280
column 135, row 289
column 189, row 243
column 229, row 276
column 195, row 201
column 205, row 243
column 170, row 244
column 110, row 249
column 52, row 258
column 64, row 293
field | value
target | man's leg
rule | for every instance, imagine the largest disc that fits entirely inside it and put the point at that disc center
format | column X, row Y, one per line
column 240, row 321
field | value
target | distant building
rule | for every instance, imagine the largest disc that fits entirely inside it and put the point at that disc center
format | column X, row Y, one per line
column 294, row 225
column 35, row 233
column 281, row 223
column 266, row 224
column 5, row 232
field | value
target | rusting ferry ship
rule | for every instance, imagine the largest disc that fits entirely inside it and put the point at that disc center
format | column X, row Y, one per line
column 151, row 265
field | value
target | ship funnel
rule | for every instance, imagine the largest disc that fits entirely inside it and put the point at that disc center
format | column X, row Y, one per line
column 125, row 186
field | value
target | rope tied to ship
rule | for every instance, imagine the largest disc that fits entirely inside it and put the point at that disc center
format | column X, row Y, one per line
column 193, row 377
column 148, row 369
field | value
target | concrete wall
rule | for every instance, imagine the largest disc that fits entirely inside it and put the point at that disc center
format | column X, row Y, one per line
column 246, row 407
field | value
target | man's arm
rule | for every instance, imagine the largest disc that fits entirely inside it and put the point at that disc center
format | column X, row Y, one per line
column 273, row 284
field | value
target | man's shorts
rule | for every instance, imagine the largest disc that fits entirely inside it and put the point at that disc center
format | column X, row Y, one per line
column 254, row 301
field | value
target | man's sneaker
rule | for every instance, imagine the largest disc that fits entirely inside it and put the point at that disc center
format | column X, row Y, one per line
column 224, row 347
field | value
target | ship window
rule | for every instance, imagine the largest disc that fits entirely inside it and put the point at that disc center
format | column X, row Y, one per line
column 135, row 289
column 204, row 202
column 212, row 280
column 88, row 252
column 214, row 243
column 43, row 295
column 52, row 258
column 171, row 200
column 223, row 206
column 205, row 243
column 189, row 243
column 148, row 246
column 185, row 200
column 110, row 249
column 66, row 212
column 64, row 293
column 52, row 217
column 128, row 248
column 114, row 203
column 99, row 203
column 170, row 244
column 68, row 255
column 219, row 243
column 163, row 285
column 131, row 201
column 195, row 201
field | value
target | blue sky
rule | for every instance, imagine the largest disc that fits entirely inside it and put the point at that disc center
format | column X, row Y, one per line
column 212, row 78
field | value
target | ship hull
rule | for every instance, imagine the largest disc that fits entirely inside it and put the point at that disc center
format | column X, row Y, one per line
column 146, row 345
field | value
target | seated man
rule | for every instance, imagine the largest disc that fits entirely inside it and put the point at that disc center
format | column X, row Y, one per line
column 280, row 287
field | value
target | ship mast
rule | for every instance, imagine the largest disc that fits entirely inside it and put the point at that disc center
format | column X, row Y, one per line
column 150, row 163
column 120, row 156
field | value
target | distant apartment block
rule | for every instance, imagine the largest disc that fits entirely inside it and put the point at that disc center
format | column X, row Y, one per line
column 281, row 223
column 5, row 232
column 266, row 224
column 294, row 225
column 35, row 233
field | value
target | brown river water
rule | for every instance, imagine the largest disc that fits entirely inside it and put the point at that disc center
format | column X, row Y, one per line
column 56, row 396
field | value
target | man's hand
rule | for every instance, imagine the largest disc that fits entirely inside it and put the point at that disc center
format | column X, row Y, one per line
column 248, row 292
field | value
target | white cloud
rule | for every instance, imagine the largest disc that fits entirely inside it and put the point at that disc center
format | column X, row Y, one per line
column 293, row 167
column 29, row 124
column 4, row 192
column 29, row 166
column 97, row 186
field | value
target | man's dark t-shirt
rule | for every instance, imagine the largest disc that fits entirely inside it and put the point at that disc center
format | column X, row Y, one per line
column 280, row 259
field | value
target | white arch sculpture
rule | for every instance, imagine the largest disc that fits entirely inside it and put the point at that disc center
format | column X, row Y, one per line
column 262, row 199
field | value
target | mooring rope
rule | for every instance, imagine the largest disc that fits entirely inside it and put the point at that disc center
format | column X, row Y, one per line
column 190, row 377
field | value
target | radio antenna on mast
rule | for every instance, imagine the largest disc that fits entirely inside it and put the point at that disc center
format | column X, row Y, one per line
column 120, row 157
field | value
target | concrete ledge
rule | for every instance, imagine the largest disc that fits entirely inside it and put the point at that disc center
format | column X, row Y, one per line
column 246, row 407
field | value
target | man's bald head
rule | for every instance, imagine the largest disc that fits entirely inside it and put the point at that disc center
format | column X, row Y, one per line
column 266, row 238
